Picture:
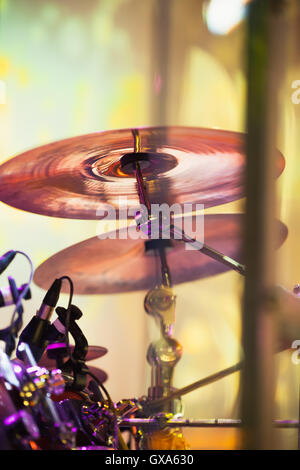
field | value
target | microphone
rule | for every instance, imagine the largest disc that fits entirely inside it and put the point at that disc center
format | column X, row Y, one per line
column 36, row 333
column 50, row 300
column 7, row 298
column 6, row 259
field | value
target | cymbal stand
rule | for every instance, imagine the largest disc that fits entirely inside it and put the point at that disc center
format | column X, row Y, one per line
column 164, row 353
column 161, row 421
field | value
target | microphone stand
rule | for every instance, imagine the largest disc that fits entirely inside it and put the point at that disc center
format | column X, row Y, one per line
column 9, row 334
column 75, row 367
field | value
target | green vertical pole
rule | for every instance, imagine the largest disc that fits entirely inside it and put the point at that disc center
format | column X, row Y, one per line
column 265, row 39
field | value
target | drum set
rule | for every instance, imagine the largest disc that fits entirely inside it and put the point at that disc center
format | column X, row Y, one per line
column 159, row 178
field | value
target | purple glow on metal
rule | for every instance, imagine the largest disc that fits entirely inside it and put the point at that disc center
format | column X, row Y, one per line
column 41, row 371
column 17, row 369
column 37, row 370
column 56, row 345
column 11, row 419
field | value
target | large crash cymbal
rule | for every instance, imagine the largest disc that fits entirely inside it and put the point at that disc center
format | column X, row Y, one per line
column 106, row 266
column 81, row 177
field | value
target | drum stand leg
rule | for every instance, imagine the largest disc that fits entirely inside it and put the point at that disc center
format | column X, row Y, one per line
column 164, row 353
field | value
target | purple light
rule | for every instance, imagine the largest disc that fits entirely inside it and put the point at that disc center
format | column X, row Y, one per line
column 17, row 369
column 11, row 419
column 56, row 346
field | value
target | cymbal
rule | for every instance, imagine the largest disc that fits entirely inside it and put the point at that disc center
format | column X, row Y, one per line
column 94, row 352
column 99, row 373
column 106, row 266
column 82, row 177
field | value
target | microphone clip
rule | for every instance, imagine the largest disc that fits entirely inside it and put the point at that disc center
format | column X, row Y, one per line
column 75, row 365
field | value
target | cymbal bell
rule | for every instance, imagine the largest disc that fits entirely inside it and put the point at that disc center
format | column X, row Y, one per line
column 122, row 264
column 82, row 177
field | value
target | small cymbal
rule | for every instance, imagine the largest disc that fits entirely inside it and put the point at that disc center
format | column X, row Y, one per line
column 122, row 264
column 82, row 177
column 94, row 352
column 98, row 373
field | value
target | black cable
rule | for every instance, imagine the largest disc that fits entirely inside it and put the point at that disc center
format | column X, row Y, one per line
column 68, row 314
column 102, row 387
column 122, row 443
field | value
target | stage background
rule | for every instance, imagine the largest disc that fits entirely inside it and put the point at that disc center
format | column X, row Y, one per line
column 70, row 68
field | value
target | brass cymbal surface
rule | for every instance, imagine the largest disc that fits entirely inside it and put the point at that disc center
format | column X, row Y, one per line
column 82, row 177
column 121, row 262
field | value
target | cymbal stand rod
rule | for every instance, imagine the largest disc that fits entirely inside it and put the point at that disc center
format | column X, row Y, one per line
column 200, row 423
column 198, row 384
column 177, row 233
column 165, row 271
column 205, row 249
column 144, row 200
column 143, row 195
column 164, row 353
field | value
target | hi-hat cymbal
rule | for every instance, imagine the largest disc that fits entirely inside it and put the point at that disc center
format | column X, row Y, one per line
column 81, row 177
column 94, row 352
column 105, row 266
